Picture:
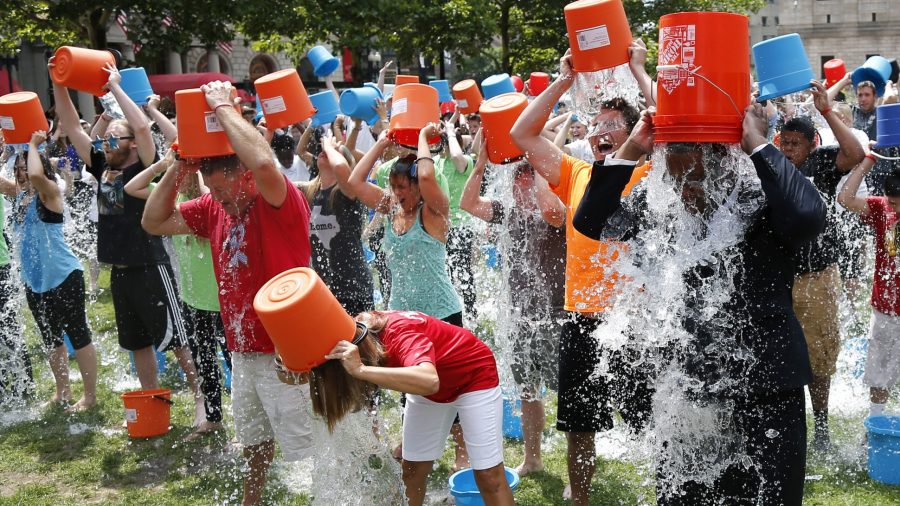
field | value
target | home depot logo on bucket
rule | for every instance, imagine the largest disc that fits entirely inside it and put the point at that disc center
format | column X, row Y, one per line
column 679, row 48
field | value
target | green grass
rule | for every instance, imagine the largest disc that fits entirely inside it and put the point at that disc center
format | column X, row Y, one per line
column 52, row 458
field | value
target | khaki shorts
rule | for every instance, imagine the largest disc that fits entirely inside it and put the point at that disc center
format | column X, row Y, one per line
column 883, row 359
column 816, row 306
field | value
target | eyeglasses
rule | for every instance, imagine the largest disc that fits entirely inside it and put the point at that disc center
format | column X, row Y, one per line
column 111, row 140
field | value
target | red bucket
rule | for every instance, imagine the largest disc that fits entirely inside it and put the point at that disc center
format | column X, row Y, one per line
column 703, row 85
column 835, row 70
column 538, row 82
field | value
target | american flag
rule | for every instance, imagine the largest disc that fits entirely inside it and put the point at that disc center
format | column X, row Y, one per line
column 224, row 46
column 168, row 21
column 122, row 21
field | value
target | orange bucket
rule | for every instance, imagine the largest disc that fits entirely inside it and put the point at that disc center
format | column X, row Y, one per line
column 498, row 115
column 82, row 69
column 538, row 82
column 467, row 96
column 283, row 99
column 706, row 104
column 21, row 115
column 147, row 412
column 835, row 70
column 413, row 107
column 199, row 133
column 406, row 79
column 599, row 34
column 302, row 317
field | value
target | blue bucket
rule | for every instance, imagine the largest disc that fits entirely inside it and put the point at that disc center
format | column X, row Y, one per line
column 323, row 62
column 360, row 102
column 497, row 84
column 512, row 423
column 463, row 487
column 781, row 66
column 888, row 126
column 259, row 111
column 884, row 448
column 492, row 258
column 160, row 363
column 876, row 69
column 327, row 108
column 443, row 88
column 226, row 372
column 136, row 85
column 69, row 348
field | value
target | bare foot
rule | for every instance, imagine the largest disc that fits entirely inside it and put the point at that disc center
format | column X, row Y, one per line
column 526, row 468
column 398, row 452
column 81, row 406
column 199, row 414
column 205, row 427
column 567, row 493
column 56, row 402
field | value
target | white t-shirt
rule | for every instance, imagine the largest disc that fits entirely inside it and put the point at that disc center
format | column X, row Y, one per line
column 581, row 149
column 298, row 171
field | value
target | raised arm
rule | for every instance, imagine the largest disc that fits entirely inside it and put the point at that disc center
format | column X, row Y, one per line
column 48, row 190
column 136, row 118
column 250, row 147
column 139, row 186
column 329, row 83
column 851, row 152
column 161, row 214
column 435, row 199
column 358, row 182
column 98, row 129
column 838, row 86
column 460, row 160
column 421, row 379
column 69, row 120
column 553, row 211
column 559, row 140
column 543, row 155
column 381, row 74
column 471, row 200
column 638, row 52
column 169, row 131
column 847, row 196
column 339, row 166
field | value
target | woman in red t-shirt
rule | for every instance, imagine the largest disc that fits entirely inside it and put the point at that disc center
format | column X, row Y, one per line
column 444, row 369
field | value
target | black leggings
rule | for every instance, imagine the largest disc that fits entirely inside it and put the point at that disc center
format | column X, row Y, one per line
column 206, row 332
column 60, row 310
column 16, row 374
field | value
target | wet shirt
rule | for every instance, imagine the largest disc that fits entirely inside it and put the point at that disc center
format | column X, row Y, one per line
column 464, row 364
column 865, row 121
column 46, row 259
column 249, row 250
column 456, row 183
column 335, row 233
column 820, row 167
column 196, row 276
column 886, row 283
column 120, row 238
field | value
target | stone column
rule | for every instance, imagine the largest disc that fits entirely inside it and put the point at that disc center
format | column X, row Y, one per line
column 86, row 106
column 212, row 60
column 173, row 63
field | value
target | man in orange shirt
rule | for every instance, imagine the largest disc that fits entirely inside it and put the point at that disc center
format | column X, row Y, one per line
column 584, row 397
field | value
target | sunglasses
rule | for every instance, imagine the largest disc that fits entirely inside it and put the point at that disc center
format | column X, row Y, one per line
column 111, row 140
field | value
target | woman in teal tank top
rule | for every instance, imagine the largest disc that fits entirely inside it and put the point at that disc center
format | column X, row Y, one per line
column 415, row 239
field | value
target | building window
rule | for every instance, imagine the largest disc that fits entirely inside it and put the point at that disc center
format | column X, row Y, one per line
column 776, row 20
column 824, row 61
column 765, row 21
column 828, row 18
column 874, row 17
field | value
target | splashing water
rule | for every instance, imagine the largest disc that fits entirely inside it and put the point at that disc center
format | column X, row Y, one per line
column 591, row 89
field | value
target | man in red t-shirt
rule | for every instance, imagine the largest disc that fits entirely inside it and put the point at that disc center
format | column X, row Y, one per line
column 882, row 214
column 258, row 226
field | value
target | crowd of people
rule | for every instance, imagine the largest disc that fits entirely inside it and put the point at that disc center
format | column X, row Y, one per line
column 190, row 242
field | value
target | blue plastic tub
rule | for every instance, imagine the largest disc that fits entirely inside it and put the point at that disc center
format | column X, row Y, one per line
column 512, row 423
column 781, row 66
column 464, row 489
column 323, row 62
column 443, row 88
column 495, row 85
column 360, row 102
column 327, row 108
column 876, row 69
column 888, row 117
column 136, row 85
column 884, row 448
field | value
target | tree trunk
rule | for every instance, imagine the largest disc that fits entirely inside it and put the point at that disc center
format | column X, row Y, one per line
column 96, row 26
column 504, row 36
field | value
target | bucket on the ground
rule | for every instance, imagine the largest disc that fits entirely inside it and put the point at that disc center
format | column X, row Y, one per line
column 200, row 135
column 21, row 115
column 327, row 108
column 82, row 69
column 781, row 66
column 512, row 422
column 323, row 62
column 405, row 79
column 884, row 448
column 468, row 96
column 599, row 34
column 888, row 124
column 283, row 99
column 413, row 107
column 876, row 69
column 443, row 88
column 302, row 317
column 360, row 102
column 463, row 487
column 835, row 70
column 703, row 84
column 496, row 85
column 498, row 115
column 537, row 83
column 147, row 412
column 136, row 84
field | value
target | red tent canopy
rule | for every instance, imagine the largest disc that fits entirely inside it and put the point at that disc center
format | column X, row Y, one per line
column 165, row 85
column 4, row 83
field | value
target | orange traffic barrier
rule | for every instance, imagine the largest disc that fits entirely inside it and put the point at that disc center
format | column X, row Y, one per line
column 467, row 96
column 406, row 79
column 414, row 106
column 147, row 412
column 599, row 34
column 302, row 317
column 703, row 84
column 21, row 115
column 283, row 99
column 82, row 69
column 498, row 115
column 200, row 135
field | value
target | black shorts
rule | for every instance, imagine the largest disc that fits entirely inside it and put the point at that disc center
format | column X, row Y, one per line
column 584, row 404
column 61, row 310
column 148, row 310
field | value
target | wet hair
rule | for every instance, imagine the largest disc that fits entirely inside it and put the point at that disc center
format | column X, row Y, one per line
column 227, row 164
column 892, row 184
column 333, row 392
column 404, row 168
column 867, row 84
column 711, row 153
column 49, row 173
column 282, row 142
column 629, row 112
column 801, row 124
column 122, row 122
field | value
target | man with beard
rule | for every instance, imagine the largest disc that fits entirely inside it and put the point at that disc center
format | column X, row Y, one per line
column 761, row 378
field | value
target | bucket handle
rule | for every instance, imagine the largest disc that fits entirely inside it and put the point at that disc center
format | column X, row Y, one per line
column 885, row 157
column 170, row 402
column 714, row 85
